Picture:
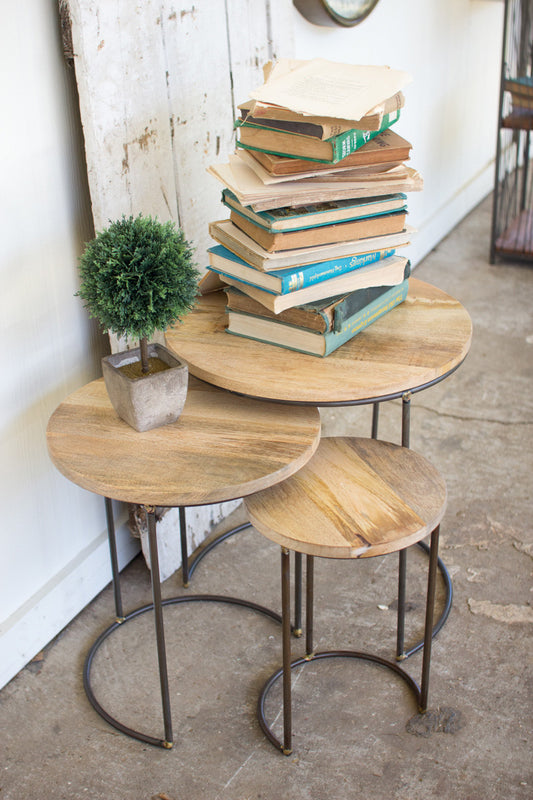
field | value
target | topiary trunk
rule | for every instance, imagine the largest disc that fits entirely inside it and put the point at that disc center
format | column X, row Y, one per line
column 144, row 355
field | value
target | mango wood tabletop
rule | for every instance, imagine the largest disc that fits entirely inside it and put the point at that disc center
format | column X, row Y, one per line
column 353, row 499
column 418, row 343
column 222, row 447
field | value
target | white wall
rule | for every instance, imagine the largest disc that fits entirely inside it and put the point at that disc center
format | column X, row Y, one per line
column 452, row 48
column 52, row 537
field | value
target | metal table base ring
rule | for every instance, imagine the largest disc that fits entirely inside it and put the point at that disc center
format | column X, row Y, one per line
column 165, row 742
column 265, row 727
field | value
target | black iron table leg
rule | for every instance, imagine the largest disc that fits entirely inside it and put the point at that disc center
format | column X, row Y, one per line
column 402, row 555
column 185, row 573
column 428, row 629
column 400, row 622
column 297, row 631
column 309, row 603
column 159, row 628
column 375, row 420
column 112, row 541
column 286, row 634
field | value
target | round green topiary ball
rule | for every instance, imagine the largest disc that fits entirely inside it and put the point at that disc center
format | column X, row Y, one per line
column 138, row 276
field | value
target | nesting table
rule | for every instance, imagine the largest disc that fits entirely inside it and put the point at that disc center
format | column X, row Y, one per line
column 222, row 447
column 416, row 345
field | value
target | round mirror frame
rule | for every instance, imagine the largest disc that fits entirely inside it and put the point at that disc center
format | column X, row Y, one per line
column 320, row 12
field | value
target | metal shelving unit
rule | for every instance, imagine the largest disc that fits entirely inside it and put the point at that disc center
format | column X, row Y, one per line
column 512, row 218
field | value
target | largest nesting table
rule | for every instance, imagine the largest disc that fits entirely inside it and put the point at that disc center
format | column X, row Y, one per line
column 416, row 345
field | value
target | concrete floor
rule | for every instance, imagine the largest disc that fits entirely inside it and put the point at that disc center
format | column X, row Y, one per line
column 352, row 732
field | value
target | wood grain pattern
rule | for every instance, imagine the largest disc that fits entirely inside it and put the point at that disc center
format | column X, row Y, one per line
column 221, row 448
column 355, row 498
column 417, row 342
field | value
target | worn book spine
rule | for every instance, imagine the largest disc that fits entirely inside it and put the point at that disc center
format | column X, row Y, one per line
column 349, row 141
column 289, row 280
column 290, row 218
column 338, row 147
column 315, row 317
column 358, row 300
column 366, row 316
column 282, row 335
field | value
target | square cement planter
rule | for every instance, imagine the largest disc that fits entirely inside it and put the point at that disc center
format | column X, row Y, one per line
column 149, row 401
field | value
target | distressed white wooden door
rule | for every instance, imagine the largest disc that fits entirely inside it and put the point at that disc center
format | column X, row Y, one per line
column 158, row 83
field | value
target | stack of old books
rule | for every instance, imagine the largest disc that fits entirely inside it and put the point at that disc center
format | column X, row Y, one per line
column 317, row 206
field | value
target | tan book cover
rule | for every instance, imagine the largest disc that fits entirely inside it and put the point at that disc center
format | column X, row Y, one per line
column 250, row 190
column 387, row 147
column 322, row 234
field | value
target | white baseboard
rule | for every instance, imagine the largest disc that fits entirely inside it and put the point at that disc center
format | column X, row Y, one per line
column 54, row 605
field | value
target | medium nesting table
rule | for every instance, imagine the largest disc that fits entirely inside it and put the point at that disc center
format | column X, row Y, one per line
column 416, row 345
column 222, row 447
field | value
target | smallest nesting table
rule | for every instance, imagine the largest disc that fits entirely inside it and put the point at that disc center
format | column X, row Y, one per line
column 355, row 498
column 223, row 447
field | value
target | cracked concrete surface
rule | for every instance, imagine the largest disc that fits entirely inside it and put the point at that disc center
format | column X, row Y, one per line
column 356, row 729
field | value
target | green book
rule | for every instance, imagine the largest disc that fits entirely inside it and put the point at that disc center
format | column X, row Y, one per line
column 294, row 145
column 311, row 342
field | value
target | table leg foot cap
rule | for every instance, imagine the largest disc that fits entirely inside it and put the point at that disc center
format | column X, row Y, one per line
column 401, row 657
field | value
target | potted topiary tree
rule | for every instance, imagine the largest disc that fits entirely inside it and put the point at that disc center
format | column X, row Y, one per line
column 138, row 276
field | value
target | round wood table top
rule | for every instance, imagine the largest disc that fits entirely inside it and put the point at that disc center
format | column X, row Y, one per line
column 354, row 498
column 222, row 447
column 417, row 343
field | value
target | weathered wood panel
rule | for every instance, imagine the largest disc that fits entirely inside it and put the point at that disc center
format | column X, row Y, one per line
column 120, row 71
column 158, row 83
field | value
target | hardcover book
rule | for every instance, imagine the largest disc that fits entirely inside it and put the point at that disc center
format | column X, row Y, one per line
column 312, row 342
column 320, row 127
column 388, row 272
column 284, row 281
column 333, row 233
column 284, row 143
column 294, row 218
column 386, row 147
